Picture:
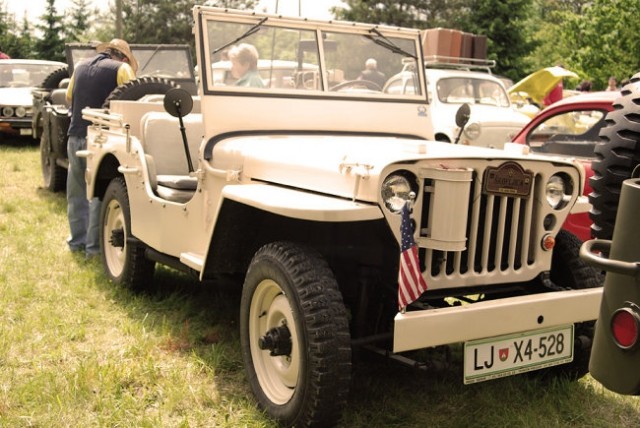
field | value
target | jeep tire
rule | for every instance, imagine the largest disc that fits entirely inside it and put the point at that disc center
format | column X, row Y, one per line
column 52, row 81
column 568, row 270
column 136, row 89
column 617, row 156
column 295, row 337
column 122, row 256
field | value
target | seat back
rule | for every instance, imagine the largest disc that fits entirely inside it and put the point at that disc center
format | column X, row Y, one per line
column 162, row 140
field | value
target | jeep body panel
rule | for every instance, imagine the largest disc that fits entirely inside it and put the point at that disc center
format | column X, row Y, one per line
column 307, row 184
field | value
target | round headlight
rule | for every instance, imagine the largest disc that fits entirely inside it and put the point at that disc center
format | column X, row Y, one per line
column 558, row 191
column 473, row 130
column 396, row 191
column 21, row 111
column 7, row 111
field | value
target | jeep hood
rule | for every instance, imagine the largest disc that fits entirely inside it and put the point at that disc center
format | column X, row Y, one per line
column 338, row 165
column 16, row 96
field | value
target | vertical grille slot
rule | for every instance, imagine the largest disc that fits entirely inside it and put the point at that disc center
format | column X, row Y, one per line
column 498, row 235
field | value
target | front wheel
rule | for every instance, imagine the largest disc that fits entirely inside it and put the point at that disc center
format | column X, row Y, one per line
column 568, row 270
column 122, row 256
column 295, row 336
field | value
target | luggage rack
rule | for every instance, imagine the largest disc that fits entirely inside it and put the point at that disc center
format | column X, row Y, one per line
column 459, row 63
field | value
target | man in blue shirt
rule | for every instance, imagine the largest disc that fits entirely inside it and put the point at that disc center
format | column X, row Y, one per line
column 92, row 81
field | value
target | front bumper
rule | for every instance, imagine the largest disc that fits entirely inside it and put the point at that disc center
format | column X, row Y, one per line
column 16, row 126
column 434, row 327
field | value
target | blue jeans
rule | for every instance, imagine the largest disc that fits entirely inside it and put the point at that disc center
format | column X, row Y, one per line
column 83, row 215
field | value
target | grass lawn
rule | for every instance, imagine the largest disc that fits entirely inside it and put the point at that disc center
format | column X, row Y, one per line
column 76, row 351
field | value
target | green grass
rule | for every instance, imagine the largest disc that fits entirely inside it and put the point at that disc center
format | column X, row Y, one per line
column 75, row 351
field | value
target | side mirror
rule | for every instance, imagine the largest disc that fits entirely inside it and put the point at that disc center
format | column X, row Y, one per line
column 462, row 118
column 178, row 102
column 462, row 115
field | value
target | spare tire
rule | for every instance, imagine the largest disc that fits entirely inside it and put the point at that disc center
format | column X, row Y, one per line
column 616, row 157
column 136, row 89
column 52, row 81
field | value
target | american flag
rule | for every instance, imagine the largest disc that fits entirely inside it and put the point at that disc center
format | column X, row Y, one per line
column 411, row 283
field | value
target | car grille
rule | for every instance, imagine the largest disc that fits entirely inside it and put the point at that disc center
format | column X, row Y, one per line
column 500, row 236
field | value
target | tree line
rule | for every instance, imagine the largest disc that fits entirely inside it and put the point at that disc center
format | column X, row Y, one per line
column 594, row 38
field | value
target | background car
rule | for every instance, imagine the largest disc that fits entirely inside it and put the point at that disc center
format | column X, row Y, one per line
column 571, row 127
column 493, row 121
column 18, row 77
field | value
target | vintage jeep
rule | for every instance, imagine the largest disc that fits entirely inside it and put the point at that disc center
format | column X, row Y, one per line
column 302, row 189
column 161, row 68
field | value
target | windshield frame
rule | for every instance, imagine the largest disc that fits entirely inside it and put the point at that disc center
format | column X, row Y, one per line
column 322, row 32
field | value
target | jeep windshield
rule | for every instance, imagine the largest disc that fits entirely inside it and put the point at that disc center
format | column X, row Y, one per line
column 295, row 56
column 168, row 61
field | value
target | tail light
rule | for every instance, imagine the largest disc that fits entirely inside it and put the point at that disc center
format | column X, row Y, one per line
column 625, row 327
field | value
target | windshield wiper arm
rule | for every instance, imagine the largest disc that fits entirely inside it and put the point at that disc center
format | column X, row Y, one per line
column 249, row 32
column 381, row 40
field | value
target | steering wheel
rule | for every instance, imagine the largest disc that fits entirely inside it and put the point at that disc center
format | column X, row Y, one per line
column 349, row 83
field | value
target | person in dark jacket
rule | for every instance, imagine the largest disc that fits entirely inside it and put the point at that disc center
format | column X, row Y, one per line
column 372, row 74
column 92, row 81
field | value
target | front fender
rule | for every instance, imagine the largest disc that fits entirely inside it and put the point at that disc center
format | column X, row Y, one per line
column 301, row 205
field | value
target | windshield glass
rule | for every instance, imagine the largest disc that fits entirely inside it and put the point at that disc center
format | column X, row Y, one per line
column 460, row 90
column 168, row 61
column 268, row 57
column 24, row 75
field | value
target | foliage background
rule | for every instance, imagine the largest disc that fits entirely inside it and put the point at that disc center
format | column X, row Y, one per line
column 594, row 38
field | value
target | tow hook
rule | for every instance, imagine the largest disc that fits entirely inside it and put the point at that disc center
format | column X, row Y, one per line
column 117, row 238
column 277, row 340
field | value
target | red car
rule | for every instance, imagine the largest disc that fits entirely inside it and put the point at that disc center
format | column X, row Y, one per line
column 571, row 127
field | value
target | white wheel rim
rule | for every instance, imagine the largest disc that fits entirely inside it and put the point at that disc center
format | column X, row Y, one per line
column 278, row 376
column 114, row 256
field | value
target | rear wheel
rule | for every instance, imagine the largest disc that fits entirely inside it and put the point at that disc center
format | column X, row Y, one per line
column 122, row 256
column 295, row 336
column 617, row 156
column 53, row 175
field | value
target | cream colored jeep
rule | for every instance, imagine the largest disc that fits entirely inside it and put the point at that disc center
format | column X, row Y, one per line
column 301, row 188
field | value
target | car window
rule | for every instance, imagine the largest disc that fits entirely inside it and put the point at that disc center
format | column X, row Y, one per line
column 573, row 133
column 15, row 75
column 459, row 90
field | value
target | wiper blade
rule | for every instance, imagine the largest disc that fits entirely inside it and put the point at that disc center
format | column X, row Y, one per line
column 381, row 40
column 146, row 64
column 249, row 32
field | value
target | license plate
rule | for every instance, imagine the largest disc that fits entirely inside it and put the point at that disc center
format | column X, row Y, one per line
column 496, row 357
column 26, row 131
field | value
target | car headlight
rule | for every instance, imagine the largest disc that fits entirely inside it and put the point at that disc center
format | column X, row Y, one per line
column 473, row 130
column 558, row 191
column 396, row 190
column 21, row 111
column 7, row 111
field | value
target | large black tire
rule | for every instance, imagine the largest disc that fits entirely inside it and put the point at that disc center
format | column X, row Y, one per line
column 136, row 89
column 122, row 257
column 568, row 270
column 303, row 379
column 54, row 78
column 53, row 175
column 53, row 147
column 617, row 156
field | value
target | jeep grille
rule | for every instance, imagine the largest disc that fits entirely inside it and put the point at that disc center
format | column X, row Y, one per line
column 499, row 236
